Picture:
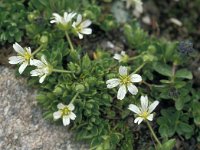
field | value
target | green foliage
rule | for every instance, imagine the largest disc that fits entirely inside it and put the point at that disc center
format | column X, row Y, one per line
column 12, row 21
column 101, row 118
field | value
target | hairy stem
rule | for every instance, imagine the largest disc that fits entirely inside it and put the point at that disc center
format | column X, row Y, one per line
column 140, row 67
column 153, row 133
column 69, row 41
column 37, row 50
column 74, row 98
column 62, row 71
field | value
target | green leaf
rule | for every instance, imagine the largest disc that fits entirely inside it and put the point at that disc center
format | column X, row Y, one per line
column 184, row 73
column 169, row 145
column 163, row 69
column 179, row 103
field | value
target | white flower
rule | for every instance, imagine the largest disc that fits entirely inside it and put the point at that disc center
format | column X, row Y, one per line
column 144, row 112
column 62, row 20
column 137, row 4
column 64, row 112
column 81, row 27
column 125, row 82
column 138, row 8
column 24, row 57
column 43, row 68
column 121, row 57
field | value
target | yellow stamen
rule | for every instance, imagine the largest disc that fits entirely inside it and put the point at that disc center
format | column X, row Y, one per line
column 65, row 111
column 125, row 79
column 144, row 114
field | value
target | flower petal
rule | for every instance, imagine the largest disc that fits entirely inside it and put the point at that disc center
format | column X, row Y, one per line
column 16, row 59
column 123, row 53
column 37, row 63
column 153, row 106
column 18, row 48
column 57, row 115
column 72, row 116
column 123, row 70
column 150, row 117
column 28, row 49
column 86, row 31
column 86, row 23
column 71, row 106
column 80, row 36
column 42, row 78
column 132, row 89
column 23, row 67
column 121, row 92
column 117, row 57
column 61, row 106
column 134, row 108
column 36, row 72
column 138, row 120
column 66, row 120
column 144, row 102
column 43, row 59
column 112, row 83
column 79, row 19
column 135, row 78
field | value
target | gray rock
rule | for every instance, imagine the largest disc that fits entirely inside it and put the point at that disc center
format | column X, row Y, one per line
column 21, row 124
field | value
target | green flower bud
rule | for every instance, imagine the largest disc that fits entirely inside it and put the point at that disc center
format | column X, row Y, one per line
column 89, row 105
column 152, row 49
column 79, row 88
column 44, row 39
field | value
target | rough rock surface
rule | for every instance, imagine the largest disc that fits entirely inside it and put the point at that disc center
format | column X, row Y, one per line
column 21, row 124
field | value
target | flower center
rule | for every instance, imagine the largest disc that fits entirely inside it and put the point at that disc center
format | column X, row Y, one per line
column 27, row 56
column 65, row 111
column 144, row 114
column 125, row 79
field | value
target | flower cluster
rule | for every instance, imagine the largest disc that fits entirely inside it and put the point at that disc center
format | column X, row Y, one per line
column 66, row 23
column 43, row 67
column 25, row 58
column 126, row 83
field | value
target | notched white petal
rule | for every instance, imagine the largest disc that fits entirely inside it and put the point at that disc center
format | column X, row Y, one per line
column 123, row 70
column 153, row 106
column 57, row 115
column 23, row 67
column 135, row 78
column 61, row 106
column 132, row 89
column 150, row 117
column 134, row 108
column 121, row 92
column 66, row 120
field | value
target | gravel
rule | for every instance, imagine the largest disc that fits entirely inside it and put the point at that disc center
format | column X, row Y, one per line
column 21, row 124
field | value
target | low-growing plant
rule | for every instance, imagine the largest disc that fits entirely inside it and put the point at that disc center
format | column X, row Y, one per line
column 96, row 93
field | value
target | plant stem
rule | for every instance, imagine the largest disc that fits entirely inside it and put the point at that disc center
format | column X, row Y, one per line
column 140, row 67
column 153, row 133
column 62, row 71
column 74, row 98
column 133, row 58
column 69, row 40
column 37, row 50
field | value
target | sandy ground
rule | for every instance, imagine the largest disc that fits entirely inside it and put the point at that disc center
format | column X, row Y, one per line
column 21, row 124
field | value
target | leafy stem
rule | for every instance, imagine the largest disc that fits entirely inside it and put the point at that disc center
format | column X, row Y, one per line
column 69, row 41
column 74, row 98
column 140, row 67
column 153, row 133
column 37, row 50
column 62, row 71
